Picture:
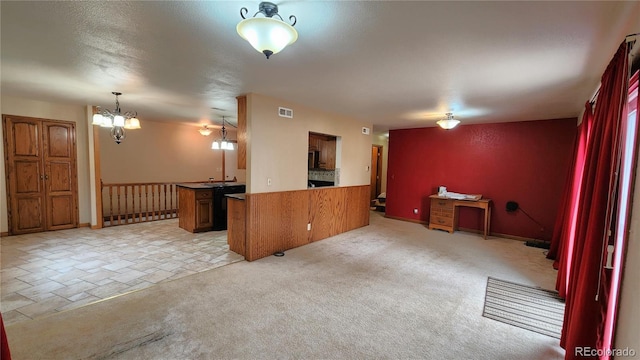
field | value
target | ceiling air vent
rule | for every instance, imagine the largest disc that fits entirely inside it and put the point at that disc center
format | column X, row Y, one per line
column 284, row 112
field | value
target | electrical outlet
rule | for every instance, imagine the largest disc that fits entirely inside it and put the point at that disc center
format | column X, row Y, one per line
column 268, row 181
column 309, row 227
column 415, row 211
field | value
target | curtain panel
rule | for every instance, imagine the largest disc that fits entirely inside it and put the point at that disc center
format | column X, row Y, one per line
column 587, row 287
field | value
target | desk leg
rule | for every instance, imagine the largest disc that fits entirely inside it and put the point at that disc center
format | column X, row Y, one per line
column 487, row 221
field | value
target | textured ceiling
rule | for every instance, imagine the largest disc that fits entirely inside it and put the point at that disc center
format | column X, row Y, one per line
column 392, row 63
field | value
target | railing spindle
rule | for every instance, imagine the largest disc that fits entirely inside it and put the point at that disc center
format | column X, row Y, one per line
column 119, row 212
column 140, row 203
column 110, row 205
column 126, row 203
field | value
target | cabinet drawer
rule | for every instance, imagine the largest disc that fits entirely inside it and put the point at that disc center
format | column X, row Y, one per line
column 441, row 204
column 444, row 214
column 207, row 194
column 441, row 220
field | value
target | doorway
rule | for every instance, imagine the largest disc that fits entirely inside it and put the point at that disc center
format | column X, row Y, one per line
column 42, row 182
column 376, row 171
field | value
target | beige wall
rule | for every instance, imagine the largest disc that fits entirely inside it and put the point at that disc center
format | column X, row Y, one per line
column 165, row 151
column 383, row 141
column 278, row 146
column 55, row 111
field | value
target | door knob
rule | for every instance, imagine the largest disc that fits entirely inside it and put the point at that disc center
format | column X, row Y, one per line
column 46, row 177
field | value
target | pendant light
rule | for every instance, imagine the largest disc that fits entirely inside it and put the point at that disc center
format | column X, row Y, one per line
column 267, row 34
column 222, row 143
column 449, row 122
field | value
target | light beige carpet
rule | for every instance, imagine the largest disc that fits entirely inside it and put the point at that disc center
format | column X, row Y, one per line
column 390, row 290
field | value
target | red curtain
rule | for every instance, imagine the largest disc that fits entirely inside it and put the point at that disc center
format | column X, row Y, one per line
column 587, row 293
column 5, row 354
column 564, row 228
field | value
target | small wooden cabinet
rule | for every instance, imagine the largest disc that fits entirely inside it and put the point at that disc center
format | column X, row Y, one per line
column 196, row 209
column 443, row 214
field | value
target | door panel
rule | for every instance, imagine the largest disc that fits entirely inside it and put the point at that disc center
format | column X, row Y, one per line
column 28, row 171
column 61, row 211
column 59, row 176
column 25, row 138
column 28, row 215
column 58, row 140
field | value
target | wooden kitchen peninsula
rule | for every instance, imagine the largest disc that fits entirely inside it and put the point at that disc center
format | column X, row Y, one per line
column 203, row 205
column 444, row 213
column 261, row 224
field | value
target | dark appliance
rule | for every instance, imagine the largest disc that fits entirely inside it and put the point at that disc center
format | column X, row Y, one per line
column 220, row 203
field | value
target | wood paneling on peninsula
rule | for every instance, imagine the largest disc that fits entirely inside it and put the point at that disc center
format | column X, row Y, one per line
column 278, row 221
column 242, row 132
column 236, row 224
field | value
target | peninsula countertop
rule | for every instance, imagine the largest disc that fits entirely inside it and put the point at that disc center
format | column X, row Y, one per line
column 199, row 186
column 237, row 196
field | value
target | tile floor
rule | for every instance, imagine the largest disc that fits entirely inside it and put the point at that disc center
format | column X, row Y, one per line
column 54, row 271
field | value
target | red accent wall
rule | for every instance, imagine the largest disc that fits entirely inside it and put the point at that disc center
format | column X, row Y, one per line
column 526, row 162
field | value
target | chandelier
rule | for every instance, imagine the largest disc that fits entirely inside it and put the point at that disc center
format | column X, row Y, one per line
column 267, row 34
column 116, row 120
column 449, row 122
column 222, row 143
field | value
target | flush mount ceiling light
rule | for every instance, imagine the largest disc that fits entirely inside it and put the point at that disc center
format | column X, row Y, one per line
column 205, row 131
column 116, row 120
column 448, row 123
column 223, row 143
column 267, row 34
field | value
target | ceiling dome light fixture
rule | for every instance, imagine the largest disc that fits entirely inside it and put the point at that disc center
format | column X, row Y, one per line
column 449, row 122
column 116, row 120
column 205, row 131
column 223, row 143
column 267, row 34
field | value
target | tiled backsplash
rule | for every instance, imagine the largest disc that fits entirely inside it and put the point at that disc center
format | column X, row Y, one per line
column 322, row 175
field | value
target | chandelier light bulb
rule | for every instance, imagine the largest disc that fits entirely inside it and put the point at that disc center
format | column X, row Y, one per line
column 97, row 119
column 132, row 123
column 106, row 122
column 118, row 120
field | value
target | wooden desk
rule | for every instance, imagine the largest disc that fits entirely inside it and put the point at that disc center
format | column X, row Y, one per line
column 444, row 213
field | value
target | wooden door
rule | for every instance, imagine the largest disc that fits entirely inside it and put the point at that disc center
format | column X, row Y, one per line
column 60, row 174
column 376, row 171
column 24, row 169
column 41, row 174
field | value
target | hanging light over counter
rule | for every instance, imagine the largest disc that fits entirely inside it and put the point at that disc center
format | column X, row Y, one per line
column 222, row 143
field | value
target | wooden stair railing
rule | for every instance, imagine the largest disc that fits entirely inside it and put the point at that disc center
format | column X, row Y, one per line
column 132, row 203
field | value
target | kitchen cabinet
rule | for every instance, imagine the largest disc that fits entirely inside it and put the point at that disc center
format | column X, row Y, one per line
column 196, row 209
column 328, row 154
column 325, row 146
